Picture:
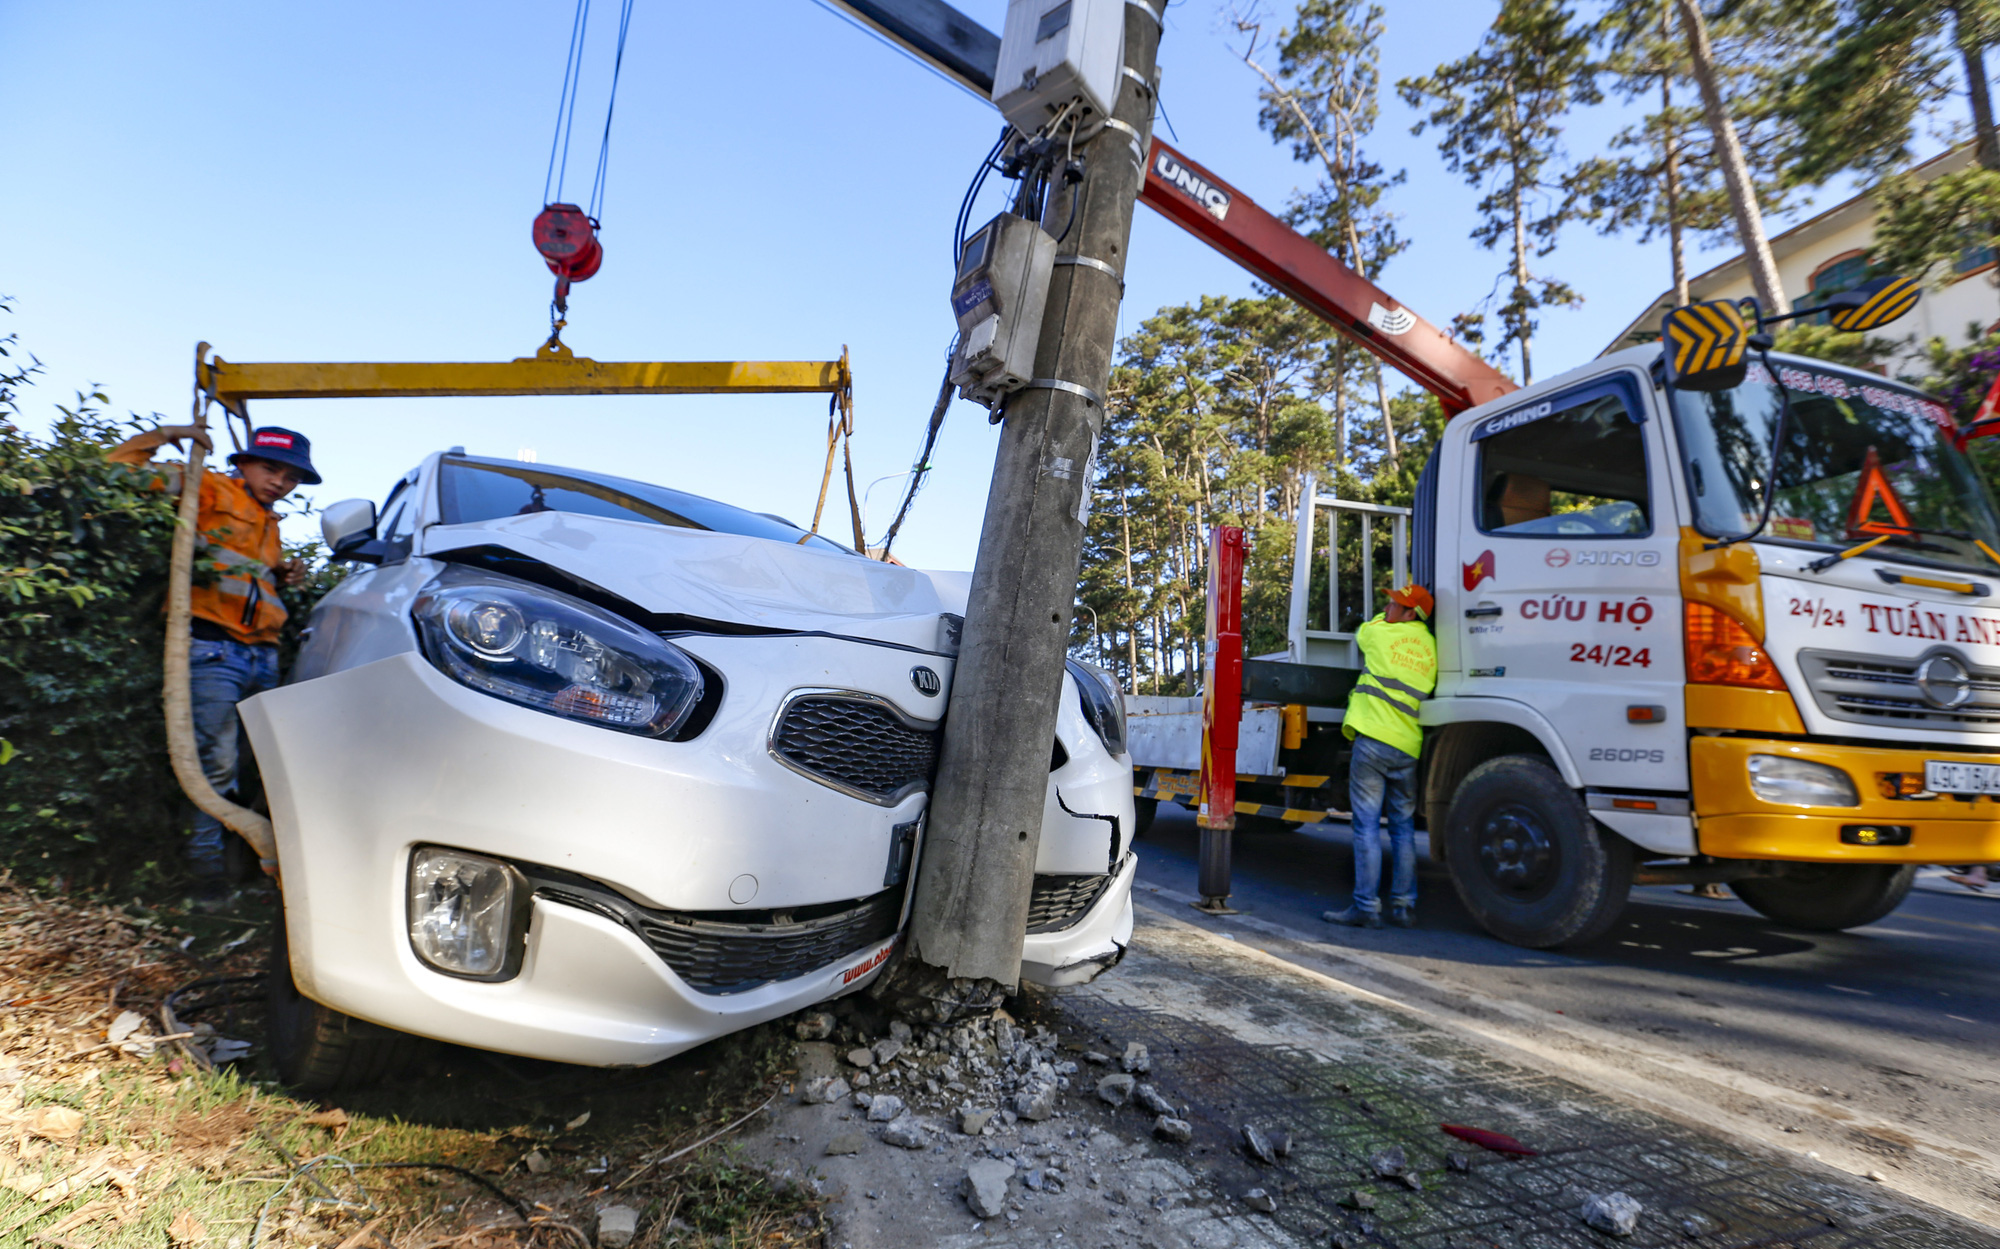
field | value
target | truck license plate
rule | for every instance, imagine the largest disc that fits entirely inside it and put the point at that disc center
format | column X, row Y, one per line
column 1961, row 778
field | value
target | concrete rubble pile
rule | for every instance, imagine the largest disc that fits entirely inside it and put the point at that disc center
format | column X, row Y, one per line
column 979, row 1088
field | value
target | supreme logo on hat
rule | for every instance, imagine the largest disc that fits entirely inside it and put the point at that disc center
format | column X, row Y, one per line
column 268, row 438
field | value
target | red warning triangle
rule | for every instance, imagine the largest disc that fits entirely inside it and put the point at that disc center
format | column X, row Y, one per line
column 1873, row 487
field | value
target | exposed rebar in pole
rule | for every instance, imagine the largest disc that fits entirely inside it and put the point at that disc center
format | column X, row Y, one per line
column 971, row 906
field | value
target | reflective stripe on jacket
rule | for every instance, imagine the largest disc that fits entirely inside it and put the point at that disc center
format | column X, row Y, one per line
column 1400, row 671
column 240, row 534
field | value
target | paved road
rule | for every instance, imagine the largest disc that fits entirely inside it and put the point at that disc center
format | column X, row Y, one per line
column 1879, row 1048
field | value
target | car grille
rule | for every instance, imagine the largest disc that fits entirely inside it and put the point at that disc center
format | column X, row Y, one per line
column 1058, row 902
column 1869, row 689
column 722, row 956
column 857, row 745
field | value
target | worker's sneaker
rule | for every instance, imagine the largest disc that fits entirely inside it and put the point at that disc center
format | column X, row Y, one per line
column 1402, row 916
column 1354, row 917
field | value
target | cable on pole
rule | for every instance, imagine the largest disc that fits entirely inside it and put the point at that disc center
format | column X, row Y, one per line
column 922, row 467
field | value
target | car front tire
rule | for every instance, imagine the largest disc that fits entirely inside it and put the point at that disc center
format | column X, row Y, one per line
column 1528, row 861
column 317, row 1049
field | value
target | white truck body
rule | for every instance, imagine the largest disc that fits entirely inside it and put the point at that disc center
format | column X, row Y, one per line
column 1844, row 724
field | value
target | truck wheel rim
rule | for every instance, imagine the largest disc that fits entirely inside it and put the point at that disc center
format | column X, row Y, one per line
column 1517, row 853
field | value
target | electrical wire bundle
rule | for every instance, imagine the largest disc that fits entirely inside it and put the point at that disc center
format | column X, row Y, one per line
column 1038, row 162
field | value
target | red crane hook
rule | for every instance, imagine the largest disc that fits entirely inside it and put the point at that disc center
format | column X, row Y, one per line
column 567, row 239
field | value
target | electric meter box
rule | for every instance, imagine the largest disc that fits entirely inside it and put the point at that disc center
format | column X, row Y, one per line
column 1053, row 51
column 998, row 297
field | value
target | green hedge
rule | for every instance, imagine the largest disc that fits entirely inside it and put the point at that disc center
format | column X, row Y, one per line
column 86, row 795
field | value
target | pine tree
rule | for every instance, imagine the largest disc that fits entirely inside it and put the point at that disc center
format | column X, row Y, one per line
column 1499, row 114
column 1663, row 175
column 1888, row 67
column 1324, row 98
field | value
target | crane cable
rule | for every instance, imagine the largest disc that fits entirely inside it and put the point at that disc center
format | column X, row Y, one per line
column 566, row 235
column 558, row 170
column 604, row 144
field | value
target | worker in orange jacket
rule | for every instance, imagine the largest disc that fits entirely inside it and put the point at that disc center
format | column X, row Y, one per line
column 233, row 652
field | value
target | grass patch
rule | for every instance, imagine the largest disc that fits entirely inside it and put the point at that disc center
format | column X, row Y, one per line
column 110, row 1144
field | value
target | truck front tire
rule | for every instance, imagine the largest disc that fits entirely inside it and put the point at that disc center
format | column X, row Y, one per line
column 1826, row 897
column 1528, row 861
column 317, row 1049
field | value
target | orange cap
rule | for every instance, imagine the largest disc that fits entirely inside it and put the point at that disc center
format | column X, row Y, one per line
column 1415, row 597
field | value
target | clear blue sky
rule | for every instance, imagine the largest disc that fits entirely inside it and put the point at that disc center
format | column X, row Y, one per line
column 356, row 182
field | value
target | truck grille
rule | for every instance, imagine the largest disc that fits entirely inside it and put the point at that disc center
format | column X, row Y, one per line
column 723, row 956
column 858, row 745
column 1058, row 902
column 1869, row 689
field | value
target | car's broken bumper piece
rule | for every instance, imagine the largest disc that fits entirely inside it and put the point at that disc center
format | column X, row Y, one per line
column 1077, row 943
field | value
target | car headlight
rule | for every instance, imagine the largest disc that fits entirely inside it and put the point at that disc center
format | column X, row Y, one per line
column 554, row 653
column 1776, row 778
column 1103, row 703
column 468, row 914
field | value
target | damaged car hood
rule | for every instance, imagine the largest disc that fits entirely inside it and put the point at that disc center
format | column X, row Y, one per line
column 725, row 577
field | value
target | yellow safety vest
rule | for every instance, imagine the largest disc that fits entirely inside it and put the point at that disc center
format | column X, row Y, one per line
column 1400, row 670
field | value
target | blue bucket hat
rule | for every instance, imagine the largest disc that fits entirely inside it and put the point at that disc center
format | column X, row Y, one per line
column 281, row 446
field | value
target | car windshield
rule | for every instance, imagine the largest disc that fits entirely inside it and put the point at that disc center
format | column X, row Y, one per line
column 471, row 490
column 1862, row 458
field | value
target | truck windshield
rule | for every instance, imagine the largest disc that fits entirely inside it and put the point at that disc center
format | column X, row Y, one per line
column 1862, row 458
column 475, row 490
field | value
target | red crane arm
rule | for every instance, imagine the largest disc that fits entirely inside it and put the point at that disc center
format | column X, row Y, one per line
column 1231, row 222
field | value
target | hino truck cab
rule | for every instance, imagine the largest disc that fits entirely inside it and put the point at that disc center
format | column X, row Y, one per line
column 1657, row 665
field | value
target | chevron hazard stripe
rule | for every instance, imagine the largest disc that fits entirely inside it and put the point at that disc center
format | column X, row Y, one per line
column 1163, row 783
column 1705, row 337
column 1896, row 297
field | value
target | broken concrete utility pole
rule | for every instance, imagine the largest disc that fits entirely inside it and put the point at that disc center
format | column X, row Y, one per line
column 972, row 891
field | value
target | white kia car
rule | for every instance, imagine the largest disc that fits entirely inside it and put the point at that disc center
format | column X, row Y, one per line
column 585, row 769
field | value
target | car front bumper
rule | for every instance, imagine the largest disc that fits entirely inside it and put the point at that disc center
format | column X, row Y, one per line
column 365, row 764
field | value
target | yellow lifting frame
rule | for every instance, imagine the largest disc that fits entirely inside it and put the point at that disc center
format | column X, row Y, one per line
column 553, row 370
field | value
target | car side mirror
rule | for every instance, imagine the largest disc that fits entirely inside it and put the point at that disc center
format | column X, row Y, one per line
column 346, row 525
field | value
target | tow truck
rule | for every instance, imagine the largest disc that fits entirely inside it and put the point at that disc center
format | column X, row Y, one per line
column 1706, row 612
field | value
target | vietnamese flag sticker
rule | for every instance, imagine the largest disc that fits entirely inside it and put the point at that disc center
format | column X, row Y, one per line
column 1479, row 570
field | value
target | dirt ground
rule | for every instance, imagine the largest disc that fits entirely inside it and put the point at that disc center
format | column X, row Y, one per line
column 114, row 1132
column 1119, row 1113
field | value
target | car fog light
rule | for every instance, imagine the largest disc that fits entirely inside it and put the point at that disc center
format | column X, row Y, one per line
column 1795, row 782
column 468, row 913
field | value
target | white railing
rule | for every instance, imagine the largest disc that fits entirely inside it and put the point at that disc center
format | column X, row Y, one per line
column 1333, row 645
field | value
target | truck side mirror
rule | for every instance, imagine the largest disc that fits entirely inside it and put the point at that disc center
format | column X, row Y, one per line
column 346, row 525
column 1873, row 304
column 1707, row 344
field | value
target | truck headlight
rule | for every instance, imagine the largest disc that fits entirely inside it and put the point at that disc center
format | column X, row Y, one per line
column 1103, row 703
column 468, row 913
column 1776, row 778
column 554, row 653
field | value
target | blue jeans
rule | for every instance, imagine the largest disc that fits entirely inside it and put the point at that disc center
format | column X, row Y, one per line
column 1381, row 788
column 220, row 675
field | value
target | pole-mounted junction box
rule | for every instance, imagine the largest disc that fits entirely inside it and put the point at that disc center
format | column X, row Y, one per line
column 1054, row 51
column 998, row 297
